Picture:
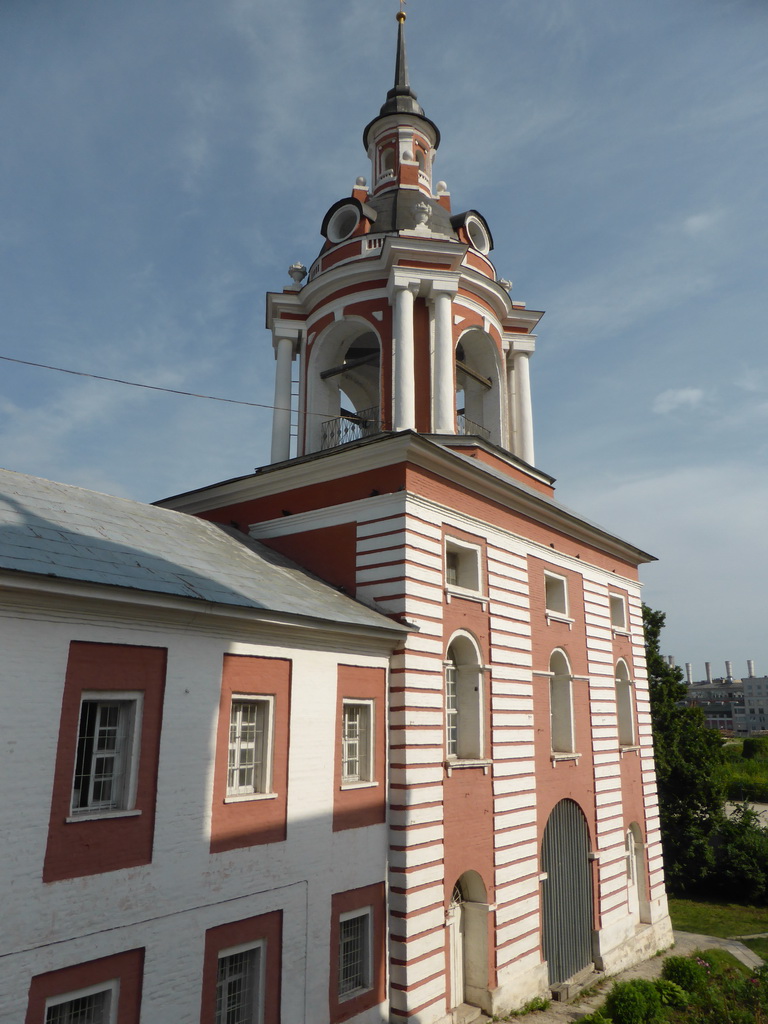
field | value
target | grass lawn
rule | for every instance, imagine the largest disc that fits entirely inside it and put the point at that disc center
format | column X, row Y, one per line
column 721, row 919
column 759, row 946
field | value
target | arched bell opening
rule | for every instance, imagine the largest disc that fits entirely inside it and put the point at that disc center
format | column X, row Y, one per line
column 479, row 387
column 467, row 942
column 344, row 381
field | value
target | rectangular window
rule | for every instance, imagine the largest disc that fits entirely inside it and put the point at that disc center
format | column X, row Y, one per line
column 357, row 742
column 240, row 986
column 105, row 759
column 462, row 566
column 618, row 612
column 88, row 1006
column 556, row 595
column 250, row 746
column 354, row 953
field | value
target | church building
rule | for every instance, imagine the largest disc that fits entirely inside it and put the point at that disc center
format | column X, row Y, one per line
column 361, row 736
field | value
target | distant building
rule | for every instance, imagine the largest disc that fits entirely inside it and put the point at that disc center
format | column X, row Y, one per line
column 737, row 707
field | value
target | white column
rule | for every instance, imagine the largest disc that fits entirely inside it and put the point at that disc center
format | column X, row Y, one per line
column 512, row 438
column 444, row 384
column 404, row 383
column 281, row 413
column 524, row 412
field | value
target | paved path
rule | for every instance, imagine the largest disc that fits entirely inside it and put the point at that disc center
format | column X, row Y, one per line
column 685, row 944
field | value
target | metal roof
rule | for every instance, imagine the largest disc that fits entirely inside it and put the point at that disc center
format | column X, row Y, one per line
column 69, row 533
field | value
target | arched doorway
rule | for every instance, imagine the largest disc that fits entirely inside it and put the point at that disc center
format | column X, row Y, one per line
column 566, row 893
column 467, row 947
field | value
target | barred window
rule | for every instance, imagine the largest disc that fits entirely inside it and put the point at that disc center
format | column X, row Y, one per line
column 90, row 1006
column 357, row 742
column 104, row 758
column 239, row 986
column 354, row 953
column 250, row 741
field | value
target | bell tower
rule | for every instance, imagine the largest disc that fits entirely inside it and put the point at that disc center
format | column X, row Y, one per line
column 402, row 323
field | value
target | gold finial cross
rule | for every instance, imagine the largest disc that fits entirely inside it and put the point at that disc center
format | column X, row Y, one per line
column 401, row 12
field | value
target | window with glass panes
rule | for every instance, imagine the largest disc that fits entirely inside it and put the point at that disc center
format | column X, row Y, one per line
column 239, row 986
column 249, row 742
column 91, row 1009
column 102, row 762
column 356, row 739
column 354, row 952
column 451, row 709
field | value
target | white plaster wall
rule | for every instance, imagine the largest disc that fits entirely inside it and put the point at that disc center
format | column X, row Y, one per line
column 166, row 906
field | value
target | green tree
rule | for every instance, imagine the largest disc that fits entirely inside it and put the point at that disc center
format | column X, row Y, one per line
column 688, row 757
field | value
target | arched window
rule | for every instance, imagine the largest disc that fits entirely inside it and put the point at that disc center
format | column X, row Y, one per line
column 561, row 704
column 624, row 705
column 463, row 700
column 635, row 858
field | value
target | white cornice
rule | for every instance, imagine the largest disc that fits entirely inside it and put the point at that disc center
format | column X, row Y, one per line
column 30, row 593
column 427, row 453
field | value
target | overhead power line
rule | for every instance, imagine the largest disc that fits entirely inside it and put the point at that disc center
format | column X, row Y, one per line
column 136, row 384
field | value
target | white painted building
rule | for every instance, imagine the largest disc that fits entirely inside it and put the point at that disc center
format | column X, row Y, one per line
column 143, row 848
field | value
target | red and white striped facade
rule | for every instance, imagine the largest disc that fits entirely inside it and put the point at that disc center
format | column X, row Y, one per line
column 429, row 505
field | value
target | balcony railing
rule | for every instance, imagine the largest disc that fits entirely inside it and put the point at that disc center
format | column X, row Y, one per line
column 350, row 427
column 464, row 425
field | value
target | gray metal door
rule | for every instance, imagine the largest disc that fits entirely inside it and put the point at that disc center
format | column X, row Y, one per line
column 567, row 892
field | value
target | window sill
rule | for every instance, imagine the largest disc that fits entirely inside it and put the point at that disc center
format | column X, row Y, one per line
column 557, row 617
column 621, row 631
column 556, row 756
column 467, row 762
column 358, row 785
column 466, row 595
column 355, row 993
column 629, row 749
column 243, row 798
column 100, row 815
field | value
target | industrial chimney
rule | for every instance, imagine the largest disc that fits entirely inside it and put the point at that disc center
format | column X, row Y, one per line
column 750, row 668
column 729, row 670
column 708, row 668
column 689, row 673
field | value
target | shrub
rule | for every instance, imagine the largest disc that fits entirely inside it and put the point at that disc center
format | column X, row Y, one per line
column 755, row 746
column 597, row 1017
column 634, row 1002
column 690, row 975
column 671, row 994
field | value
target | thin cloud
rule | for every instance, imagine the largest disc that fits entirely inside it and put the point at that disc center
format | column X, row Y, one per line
column 678, row 398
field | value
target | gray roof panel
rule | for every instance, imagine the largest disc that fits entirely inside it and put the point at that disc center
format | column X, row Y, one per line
column 56, row 530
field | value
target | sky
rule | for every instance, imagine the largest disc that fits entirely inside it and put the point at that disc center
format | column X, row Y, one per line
column 164, row 163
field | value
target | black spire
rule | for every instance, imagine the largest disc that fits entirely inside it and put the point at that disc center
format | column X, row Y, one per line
column 401, row 99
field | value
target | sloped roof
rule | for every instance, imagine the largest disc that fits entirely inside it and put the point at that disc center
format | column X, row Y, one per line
column 69, row 533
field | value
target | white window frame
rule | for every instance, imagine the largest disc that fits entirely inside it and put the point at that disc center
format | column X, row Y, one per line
column 366, row 774
column 561, row 722
column 556, row 611
column 260, row 947
column 263, row 790
column 464, row 703
column 625, row 714
column 131, row 704
column 618, row 607
column 466, row 579
column 110, row 988
column 366, row 955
